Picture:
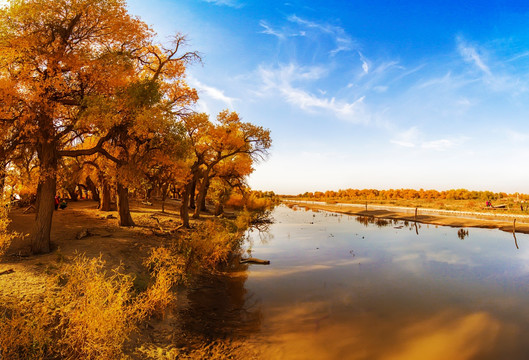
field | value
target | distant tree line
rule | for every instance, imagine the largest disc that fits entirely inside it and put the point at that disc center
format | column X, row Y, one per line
column 409, row 194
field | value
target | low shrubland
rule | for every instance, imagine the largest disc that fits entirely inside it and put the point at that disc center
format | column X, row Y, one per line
column 89, row 311
column 253, row 201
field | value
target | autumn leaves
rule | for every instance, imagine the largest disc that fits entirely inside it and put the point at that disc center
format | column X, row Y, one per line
column 84, row 79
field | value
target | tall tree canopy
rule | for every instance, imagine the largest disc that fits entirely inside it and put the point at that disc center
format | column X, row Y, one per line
column 77, row 69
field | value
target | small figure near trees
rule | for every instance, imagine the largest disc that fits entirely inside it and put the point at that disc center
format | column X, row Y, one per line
column 63, row 204
column 56, row 202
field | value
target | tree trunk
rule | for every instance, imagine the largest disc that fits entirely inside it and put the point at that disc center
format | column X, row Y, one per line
column 105, row 199
column 192, row 193
column 203, row 200
column 184, row 207
column 48, row 157
column 93, row 189
column 219, row 209
column 2, row 177
column 73, row 194
column 37, row 201
column 165, row 191
column 201, row 196
column 148, row 193
column 123, row 206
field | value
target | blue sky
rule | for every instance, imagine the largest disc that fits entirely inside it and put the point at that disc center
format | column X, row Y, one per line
column 366, row 94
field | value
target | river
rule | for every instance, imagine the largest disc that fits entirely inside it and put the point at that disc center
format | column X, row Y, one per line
column 349, row 287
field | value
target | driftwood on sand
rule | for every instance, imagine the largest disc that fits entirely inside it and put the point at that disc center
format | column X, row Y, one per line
column 254, row 261
column 10, row 271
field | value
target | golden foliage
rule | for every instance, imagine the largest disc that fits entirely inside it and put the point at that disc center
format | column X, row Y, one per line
column 252, row 201
column 88, row 313
column 6, row 236
column 167, row 269
column 93, row 310
column 210, row 243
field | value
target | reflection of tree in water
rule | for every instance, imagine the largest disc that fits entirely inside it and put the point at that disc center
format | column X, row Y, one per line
column 365, row 220
column 379, row 222
column 462, row 234
column 220, row 308
column 218, row 305
column 261, row 226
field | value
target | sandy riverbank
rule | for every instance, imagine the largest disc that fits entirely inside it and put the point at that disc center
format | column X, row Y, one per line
column 425, row 216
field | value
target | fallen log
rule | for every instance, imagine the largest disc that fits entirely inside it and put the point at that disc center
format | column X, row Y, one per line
column 10, row 271
column 254, row 261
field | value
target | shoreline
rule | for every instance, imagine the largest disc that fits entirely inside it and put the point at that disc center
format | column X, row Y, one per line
column 507, row 222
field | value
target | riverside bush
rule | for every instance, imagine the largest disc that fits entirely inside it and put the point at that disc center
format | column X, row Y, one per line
column 5, row 235
column 87, row 313
column 211, row 243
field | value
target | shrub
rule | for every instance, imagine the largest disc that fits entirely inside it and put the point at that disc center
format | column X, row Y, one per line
column 87, row 313
column 253, row 201
column 24, row 334
column 167, row 269
column 93, row 311
column 211, row 243
column 5, row 235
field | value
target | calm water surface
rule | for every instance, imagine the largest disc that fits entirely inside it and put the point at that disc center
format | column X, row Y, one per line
column 348, row 287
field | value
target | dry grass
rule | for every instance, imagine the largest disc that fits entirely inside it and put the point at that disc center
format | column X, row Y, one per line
column 167, row 269
column 89, row 311
column 86, row 313
column 5, row 236
column 217, row 350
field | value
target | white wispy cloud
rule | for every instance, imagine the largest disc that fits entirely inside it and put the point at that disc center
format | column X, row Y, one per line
column 230, row 3
column 342, row 40
column 286, row 79
column 517, row 136
column 365, row 63
column 280, row 34
column 470, row 54
column 270, row 31
column 407, row 138
column 212, row 92
column 439, row 145
column 414, row 138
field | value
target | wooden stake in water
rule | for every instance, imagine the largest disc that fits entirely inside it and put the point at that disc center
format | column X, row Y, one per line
column 416, row 213
column 514, row 233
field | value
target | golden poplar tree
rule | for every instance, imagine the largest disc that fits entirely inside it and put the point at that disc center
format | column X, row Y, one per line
column 71, row 70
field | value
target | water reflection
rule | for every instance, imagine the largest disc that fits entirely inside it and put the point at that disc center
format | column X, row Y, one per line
column 371, row 220
column 219, row 307
column 462, row 234
column 396, row 296
column 395, row 223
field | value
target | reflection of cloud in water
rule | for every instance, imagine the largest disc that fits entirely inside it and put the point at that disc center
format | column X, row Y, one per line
column 310, row 328
column 448, row 337
column 275, row 272
column 406, row 257
column 448, row 257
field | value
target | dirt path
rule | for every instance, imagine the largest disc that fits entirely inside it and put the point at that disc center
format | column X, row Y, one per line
column 26, row 275
column 425, row 216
